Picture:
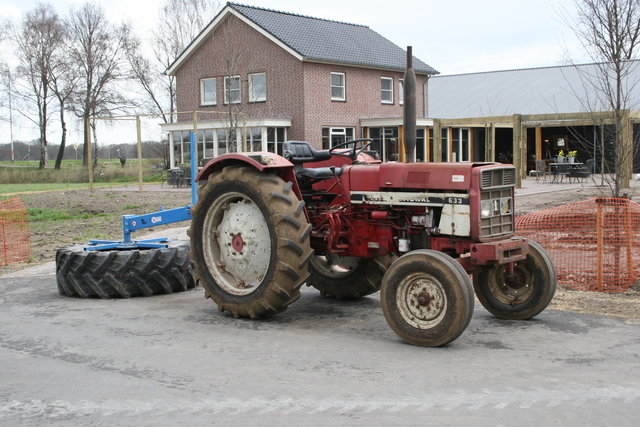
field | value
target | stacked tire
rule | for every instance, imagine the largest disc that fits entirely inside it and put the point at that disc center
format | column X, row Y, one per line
column 124, row 273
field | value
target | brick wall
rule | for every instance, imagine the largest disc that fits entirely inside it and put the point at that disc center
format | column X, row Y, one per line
column 362, row 93
column 295, row 89
column 248, row 52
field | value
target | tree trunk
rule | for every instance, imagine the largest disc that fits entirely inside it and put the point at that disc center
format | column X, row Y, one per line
column 87, row 137
column 63, row 140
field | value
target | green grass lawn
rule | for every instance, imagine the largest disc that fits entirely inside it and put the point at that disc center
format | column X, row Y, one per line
column 10, row 189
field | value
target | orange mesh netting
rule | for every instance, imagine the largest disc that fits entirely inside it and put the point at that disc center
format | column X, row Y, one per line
column 14, row 231
column 594, row 243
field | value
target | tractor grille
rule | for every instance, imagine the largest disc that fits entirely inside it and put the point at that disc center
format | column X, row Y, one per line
column 497, row 224
column 492, row 178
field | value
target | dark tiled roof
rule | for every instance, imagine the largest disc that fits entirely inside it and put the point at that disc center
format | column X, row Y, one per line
column 331, row 41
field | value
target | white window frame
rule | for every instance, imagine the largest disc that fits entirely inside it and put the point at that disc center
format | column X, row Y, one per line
column 401, row 92
column 457, row 139
column 342, row 86
column 388, row 91
column 203, row 83
column 231, row 90
column 262, row 96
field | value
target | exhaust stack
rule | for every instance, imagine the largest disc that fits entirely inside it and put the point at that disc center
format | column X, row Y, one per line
column 409, row 113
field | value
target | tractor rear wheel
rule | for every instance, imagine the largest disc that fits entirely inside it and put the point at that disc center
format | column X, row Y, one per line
column 123, row 273
column 345, row 277
column 250, row 241
column 427, row 298
column 525, row 298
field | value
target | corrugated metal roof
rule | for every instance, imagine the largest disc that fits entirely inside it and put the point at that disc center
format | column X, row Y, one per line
column 549, row 90
column 331, row 41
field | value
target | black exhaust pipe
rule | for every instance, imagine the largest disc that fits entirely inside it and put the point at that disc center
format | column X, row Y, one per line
column 409, row 119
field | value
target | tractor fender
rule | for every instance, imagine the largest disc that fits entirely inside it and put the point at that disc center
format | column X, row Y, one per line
column 260, row 160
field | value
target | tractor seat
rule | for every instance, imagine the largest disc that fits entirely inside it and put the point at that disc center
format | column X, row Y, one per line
column 318, row 173
column 298, row 152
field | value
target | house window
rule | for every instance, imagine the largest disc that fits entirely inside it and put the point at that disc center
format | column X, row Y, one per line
column 385, row 142
column 208, row 92
column 401, row 92
column 386, row 87
column 334, row 136
column 445, row 144
column 275, row 138
column 257, row 87
column 232, row 90
column 254, row 139
column 460, row 146
column 205, row 144
column 421, row 155
column 337, row 87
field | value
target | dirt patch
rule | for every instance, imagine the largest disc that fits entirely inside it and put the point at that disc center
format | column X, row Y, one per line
column 100, row 215
column 106, row 207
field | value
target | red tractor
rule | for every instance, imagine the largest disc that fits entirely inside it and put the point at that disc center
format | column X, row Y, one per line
column 349, row 225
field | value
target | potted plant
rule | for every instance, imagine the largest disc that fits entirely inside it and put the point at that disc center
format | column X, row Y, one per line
column 571, row 155
column 560, row 158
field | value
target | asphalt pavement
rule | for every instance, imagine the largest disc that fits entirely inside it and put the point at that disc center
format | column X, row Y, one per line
column 172, row 359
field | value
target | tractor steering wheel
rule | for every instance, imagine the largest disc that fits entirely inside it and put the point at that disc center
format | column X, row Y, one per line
column 352, row 154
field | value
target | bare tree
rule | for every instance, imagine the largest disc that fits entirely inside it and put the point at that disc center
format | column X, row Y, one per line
column 64, row 79
column 98, row 51
column 39, row 37
column 179, row 23
column 232, row 86
column 609, row 31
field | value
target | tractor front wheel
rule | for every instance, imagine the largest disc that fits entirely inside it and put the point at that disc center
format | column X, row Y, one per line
column 427, row 298
column 345, row 277
column 524, row 296
column 250, row 241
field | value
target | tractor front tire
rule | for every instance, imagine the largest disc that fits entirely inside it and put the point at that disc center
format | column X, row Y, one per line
column 123, row 273
column 345, row 277
column 427, row 298
column 250, row 241
column 528, row 296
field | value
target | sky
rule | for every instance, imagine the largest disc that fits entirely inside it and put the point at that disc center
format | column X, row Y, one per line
column 454, row 36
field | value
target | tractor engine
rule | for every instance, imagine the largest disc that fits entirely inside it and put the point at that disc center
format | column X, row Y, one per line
column 375, row 209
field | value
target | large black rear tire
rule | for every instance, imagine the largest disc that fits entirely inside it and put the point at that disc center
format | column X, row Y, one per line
column 250, row 241
column 345, row 277
column 123, row 273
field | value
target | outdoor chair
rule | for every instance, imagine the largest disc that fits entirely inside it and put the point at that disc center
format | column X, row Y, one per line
column 166, row 177
column 590, row 166
column 541, row 170
column 560, row 171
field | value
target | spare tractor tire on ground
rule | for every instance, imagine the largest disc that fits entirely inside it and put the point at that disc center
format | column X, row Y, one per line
column 127, row 273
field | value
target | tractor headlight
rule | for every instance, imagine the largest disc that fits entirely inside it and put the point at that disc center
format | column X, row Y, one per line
column 486, row 209
column 506, row 206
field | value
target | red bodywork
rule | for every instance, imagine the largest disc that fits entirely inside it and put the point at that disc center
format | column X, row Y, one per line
column 347, row 228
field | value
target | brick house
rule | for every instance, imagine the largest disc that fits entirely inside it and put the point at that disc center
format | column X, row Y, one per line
column 291, row 77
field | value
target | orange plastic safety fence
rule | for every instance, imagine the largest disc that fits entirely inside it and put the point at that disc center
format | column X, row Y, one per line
column 594, row 244
column 14, row 231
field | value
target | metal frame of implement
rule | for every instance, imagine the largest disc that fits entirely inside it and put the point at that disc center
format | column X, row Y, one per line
column 132, row 223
